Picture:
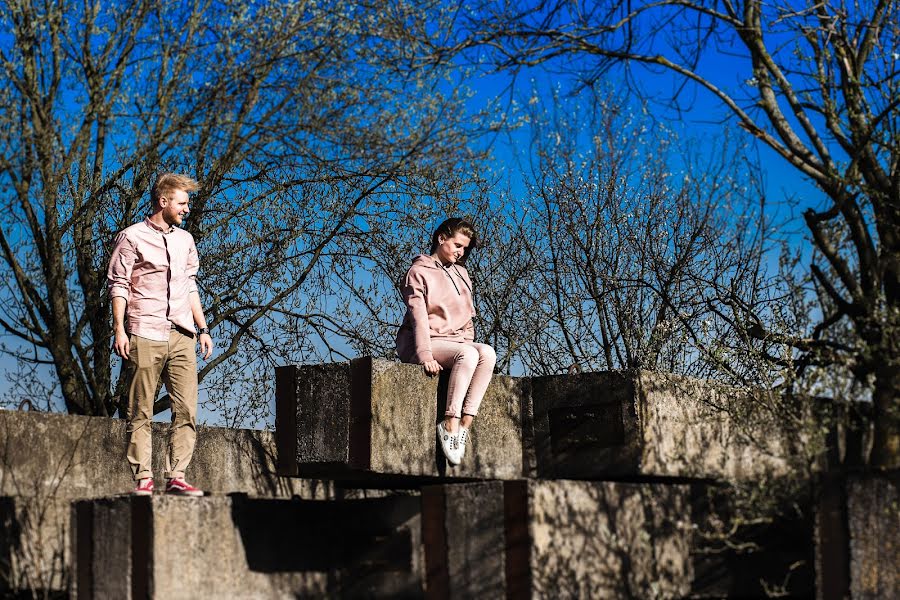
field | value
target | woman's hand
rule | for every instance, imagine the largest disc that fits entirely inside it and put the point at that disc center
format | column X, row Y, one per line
column 432, row 367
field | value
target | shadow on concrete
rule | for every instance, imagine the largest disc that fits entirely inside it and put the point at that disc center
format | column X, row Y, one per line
column 10, row 534
column 739, row 557
column 311, row 535
column 440, row 408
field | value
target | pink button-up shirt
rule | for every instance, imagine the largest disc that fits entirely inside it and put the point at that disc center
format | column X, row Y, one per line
column 155, row 271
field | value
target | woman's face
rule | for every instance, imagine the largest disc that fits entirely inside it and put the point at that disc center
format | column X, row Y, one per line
column 451, row 249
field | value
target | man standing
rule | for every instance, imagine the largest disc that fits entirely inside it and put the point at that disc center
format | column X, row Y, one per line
column 151, row 277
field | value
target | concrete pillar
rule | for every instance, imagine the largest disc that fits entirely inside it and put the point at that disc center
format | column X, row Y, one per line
column 627, row 424
column 543, row 539
column 857, row 533
column 873, row 503
column 375, row 419
column 165, row 547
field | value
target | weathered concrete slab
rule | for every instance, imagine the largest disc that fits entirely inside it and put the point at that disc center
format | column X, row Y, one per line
column 238, row 547
column 376, row 418
column 48, row 460
column 607, row 540
column 552, row 539
column 857, row 533
column 627, row 424
column 874, row 517
column 84, row 457
column 34, row 536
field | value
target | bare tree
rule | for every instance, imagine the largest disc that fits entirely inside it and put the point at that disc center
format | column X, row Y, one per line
column 816, row 83
column 294, row 117
column 628, row 240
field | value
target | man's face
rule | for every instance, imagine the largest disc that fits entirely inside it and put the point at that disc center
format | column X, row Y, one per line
column 174, row 207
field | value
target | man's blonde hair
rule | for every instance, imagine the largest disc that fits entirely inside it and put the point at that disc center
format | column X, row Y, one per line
column 166, row 183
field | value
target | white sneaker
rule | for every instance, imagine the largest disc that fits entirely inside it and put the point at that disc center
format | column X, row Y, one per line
column 462, row 438
column 448, row 444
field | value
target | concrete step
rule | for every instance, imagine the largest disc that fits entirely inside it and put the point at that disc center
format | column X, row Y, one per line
column 556, row 539
column 580, row 539
column 373, row 419
column 647, row 424
column 49, row 460
column 215, row 547
column 75, row 457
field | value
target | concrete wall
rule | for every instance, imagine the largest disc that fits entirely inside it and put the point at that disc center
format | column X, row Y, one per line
column 873, row 503
column 237, row 547
column 857, row 525
column 627, row 424
column 48, row 460
column 557, row 539
column 374, row 419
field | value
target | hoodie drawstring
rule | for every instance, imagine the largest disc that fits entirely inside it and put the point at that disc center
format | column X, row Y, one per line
column 447, row 271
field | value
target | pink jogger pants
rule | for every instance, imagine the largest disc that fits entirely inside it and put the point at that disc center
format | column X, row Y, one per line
column 471, row 366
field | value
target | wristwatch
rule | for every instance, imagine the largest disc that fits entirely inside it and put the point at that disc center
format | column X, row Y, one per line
column 203, row 330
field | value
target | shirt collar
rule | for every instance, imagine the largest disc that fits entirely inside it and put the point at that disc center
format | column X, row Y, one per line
column 156, row 227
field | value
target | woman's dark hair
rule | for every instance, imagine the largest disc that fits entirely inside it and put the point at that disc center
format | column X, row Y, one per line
column 451, row 227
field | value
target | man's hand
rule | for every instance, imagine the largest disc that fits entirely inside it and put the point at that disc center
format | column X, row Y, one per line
column 432, row 367
column 206, row 345
column 121, row 345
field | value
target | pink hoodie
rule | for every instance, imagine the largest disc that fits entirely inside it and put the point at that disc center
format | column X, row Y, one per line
column 438, row 305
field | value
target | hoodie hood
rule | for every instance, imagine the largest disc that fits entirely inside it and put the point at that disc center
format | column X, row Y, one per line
column 425, row 260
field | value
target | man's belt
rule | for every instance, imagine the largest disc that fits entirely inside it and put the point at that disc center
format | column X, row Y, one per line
column 182, row 330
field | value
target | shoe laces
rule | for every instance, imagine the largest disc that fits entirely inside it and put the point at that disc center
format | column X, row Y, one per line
column 463, row 437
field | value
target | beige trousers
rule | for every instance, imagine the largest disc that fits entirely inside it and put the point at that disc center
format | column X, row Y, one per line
column 176, row 362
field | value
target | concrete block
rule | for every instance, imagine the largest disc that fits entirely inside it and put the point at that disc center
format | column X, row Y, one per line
column 84, row 457
column 626, row 424
column 607, row 540
column 48, row 460
column 373, row 418
column 857, row 532
column 239, row 547
column 873, row 503
column 34, row 536
column 535, row 539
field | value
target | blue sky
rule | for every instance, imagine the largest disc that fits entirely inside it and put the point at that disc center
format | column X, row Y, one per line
column 701, row 121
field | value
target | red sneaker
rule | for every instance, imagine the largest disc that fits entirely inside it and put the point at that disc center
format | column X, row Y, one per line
column 180, row 487
column 144, row 487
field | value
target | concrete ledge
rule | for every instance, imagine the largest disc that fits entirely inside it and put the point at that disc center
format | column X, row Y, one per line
column 609, row 540
column 541, row 539
column 48, row 460
column 375, row 418
column 238, row 547
column 619, row 424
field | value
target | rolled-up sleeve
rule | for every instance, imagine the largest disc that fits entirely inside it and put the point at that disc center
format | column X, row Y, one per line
column 414, row 297
column 121, row 263
column 193, row 265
